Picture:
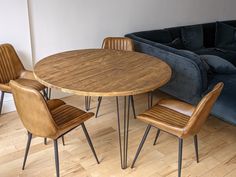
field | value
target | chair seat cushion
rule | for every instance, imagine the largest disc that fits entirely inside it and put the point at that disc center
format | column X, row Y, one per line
column 68, row 117
column 229, row 55
column 165, row 118
column 54, row 103
column 219, row 65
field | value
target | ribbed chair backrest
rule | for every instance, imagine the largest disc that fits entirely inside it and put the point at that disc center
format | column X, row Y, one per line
column 118, row 43
column 33, row 110
column 203, row 110
column 10, row 64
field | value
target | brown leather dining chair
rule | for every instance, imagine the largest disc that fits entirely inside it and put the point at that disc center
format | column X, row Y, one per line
column 47, row 119
column 117, row 43
column 179, row 119
column 11, row 68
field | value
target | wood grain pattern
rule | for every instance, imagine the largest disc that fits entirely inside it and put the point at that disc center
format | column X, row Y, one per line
column 217, row 144
column 102, row 72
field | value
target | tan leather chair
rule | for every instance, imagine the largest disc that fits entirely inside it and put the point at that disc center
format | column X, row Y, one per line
column 179, row 119
column 48, row 119
column 11, row 68
column 117, row 43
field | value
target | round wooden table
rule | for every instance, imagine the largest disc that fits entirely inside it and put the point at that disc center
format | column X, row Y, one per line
column 100, row 72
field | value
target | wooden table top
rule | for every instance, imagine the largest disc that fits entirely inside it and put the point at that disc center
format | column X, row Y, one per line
column 100, row 72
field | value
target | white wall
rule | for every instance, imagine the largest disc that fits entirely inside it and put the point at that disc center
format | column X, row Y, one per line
column 58, row 25
column 64, row 25
column 14, row 29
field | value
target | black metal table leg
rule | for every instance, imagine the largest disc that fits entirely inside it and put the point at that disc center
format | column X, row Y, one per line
column 132, row 104
column 150, row 100
column 98, row 107
column 124, row 146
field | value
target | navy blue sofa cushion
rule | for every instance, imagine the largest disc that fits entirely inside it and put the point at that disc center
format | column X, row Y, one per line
column 223, row 53
column 192, row 37
column 190, row 76
column 161, row 36
column 225, row 36
column 176, row 43
column 219, row 65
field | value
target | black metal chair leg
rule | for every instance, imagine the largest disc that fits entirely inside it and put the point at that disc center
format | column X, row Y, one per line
column 132, row 104
column 1, row 102
column 49, row 93
column 56, row 158
column 63, row 140
column 27, row 149
column 89, row 142
column 196, row 147
column 98, row 107
column 180, row 156
column 141, row 144
column 45, row 141
column 157, row 135
column 45, row 95
column 87, row 103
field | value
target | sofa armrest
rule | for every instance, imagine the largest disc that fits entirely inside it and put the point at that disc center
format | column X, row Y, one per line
column 188, row 78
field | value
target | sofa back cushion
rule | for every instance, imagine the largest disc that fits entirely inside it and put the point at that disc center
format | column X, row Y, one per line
column 160, row 36
column 192, row 37
column 225, row 35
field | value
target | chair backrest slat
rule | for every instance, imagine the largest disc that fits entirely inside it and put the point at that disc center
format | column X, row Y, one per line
column 118, row 43
column 10, row 64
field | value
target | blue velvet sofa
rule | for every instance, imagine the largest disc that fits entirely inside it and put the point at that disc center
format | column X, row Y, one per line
column 192, row 77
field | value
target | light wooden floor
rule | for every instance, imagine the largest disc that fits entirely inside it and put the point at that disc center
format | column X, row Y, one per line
column 217, row 148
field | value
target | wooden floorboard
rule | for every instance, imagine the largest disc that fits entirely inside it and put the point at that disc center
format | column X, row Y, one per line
column 217, row 148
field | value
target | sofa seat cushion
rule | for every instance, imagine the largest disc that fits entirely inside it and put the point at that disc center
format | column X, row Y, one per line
column 224, row 108
column 219, row 65
column 229, row 55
